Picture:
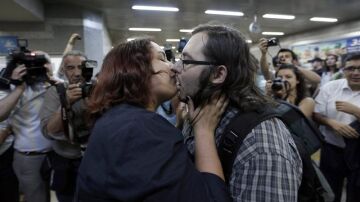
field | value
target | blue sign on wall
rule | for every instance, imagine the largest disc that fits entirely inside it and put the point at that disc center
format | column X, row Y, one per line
column 7, row 43
column 353, row 44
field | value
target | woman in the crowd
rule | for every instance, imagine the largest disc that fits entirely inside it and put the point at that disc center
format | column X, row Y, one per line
column 331, row 70
column 290, row 86
column 133, row 153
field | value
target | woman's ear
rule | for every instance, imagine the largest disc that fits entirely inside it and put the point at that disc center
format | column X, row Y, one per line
column 219, row 75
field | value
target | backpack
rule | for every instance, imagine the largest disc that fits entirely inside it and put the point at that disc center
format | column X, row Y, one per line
column 307, row 137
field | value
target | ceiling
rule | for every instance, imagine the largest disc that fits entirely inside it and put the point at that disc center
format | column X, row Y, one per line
column 119, row 16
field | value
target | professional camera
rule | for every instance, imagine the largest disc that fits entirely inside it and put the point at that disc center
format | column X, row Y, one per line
column 34, row 63
column 87, row 69
column 272, row 42
column 278, row 84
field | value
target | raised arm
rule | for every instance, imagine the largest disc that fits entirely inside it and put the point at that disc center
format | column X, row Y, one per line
column 264, row 65
column 9, row 102
column 70, row 45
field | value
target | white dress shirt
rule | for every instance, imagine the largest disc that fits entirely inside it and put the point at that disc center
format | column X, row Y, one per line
column 331, row 92
column 25, row 121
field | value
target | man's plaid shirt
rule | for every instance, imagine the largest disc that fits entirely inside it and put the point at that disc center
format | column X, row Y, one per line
column 267, row 167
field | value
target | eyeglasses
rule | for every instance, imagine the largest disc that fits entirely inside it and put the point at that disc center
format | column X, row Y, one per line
column 352, row 68
column 181, row 63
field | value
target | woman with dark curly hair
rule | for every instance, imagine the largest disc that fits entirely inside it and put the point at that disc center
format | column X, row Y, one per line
column 290, row 86
column 135, row 154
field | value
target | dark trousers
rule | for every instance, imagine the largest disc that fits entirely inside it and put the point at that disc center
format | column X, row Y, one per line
column 9, row 187
column 64, row 197
column 64, row 176
column 335, row 169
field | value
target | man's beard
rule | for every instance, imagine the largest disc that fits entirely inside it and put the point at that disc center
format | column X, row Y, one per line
column 203, row 94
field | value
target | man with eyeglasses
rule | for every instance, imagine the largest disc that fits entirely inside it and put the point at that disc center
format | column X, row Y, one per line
column 216, row 60
column 338, row 105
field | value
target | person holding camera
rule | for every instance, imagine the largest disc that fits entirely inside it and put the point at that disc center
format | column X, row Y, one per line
column 133, row 153
column 289, row 85
column 67, row 132
column 28, row 87
column 284, row 56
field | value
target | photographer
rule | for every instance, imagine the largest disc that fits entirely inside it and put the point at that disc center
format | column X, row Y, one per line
column 67, row 149
column 28, row 73
column 289, row 85
column 285, row 56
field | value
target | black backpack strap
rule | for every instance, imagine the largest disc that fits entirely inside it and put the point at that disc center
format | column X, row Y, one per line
column 311, row 140
column 235, row 133
column 66, row 112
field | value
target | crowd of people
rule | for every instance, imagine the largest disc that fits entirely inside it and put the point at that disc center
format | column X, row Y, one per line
column 152, row 130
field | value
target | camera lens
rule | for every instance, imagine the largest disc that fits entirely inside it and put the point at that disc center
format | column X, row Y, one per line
column 277, row 85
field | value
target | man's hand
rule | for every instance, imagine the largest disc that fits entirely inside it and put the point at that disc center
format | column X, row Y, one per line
column 73, row 93
column 268, row 90
column 74, row 37
column 343, row 129
column 263, row 46
column 346, row 107
column 18, row 73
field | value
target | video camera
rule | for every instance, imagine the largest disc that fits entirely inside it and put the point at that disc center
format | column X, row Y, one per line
column 34, row 63
column 87, row 70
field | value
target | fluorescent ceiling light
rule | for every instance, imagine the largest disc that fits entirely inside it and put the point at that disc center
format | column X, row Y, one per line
column 248, row 41
column 173, row 47
column 319, row 19
column 273, row 33
column 185, row 30
column 130, row 39
column 154, row 8
column 145, row 29
column 279, row 16
column 216, row 12
column 172, row 40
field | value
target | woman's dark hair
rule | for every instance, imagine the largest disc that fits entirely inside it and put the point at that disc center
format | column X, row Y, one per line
column 327, row 68
column 124, row 77
column 226, row 46
column 301, row 90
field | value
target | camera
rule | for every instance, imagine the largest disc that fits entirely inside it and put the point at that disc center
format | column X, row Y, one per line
column 34, row 63
column 87, row 69
column 278, row 84
column 182, row 44
column 272, row 42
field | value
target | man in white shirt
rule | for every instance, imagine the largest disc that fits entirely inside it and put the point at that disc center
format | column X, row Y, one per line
column 30, row 145
column 337, row 105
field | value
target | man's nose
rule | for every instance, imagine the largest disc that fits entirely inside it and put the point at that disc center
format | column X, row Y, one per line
column 77, row 72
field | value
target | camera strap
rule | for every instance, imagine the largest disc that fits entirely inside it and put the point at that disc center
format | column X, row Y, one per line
column 66, row 112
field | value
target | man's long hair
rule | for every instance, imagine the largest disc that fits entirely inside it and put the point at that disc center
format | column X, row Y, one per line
column 226, row 46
